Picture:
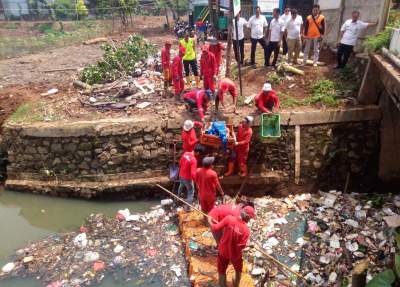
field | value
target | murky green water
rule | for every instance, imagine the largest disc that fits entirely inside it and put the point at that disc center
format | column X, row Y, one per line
column 26, row 217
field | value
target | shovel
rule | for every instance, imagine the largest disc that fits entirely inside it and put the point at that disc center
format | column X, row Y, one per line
column 174, row 168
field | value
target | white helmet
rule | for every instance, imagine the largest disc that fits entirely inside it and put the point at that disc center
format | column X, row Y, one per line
column 267, row 87
column 188, row 125
column 249, row 119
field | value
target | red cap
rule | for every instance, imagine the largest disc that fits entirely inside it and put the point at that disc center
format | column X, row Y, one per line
column 250, row 211
column 182, row 50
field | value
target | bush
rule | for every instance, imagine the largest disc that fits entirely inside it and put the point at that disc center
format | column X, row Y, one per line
column 324, row 92
column 377, row 42
column 118, row 61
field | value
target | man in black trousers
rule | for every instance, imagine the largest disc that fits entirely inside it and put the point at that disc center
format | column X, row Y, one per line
column 257, row 24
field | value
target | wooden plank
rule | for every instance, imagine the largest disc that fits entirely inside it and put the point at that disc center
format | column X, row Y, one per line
column 297, row 155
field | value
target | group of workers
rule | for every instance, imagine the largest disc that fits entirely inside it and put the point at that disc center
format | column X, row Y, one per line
column 228, row 222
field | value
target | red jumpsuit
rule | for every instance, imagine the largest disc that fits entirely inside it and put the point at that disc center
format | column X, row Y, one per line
column 188, row 166
column 189, row 138
column 266, row 101
column 233, row 241
column 198, row 99
column 208, row 69
column 243, row 147
column 166, row 63
column 217, row 51
column 219, row 212
column 208, row 183
column 177, row 74
column 226, row 85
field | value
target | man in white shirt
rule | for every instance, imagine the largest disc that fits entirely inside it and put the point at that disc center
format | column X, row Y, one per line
column 275, row 34
column 286, row 16
column 238, row 44
column 350, row 32
column 257, row 23
column 293, row 31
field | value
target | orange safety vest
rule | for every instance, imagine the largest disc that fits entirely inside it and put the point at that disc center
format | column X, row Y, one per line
column 314, row 27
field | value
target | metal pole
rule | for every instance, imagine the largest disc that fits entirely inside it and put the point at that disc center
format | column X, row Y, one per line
column 238, row 52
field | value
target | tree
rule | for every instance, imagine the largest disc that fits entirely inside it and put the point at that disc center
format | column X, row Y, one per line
column 81, row 9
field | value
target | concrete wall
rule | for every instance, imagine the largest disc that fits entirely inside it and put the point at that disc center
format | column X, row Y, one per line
column 113, row 154
column 371, row 11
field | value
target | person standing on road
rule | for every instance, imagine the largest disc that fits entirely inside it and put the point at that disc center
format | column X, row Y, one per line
column 238, row 44
column 166, row 63
column 189, row 59
column 275, row 34
column 294, row 30
column 187, row 175
column 267, row 101
column 177, row 73
column 257, row 24
column 350, row 32
column 207, row 185
column 285, row 17
column 230, row 248
column 188, row 136
column 314, row 31
column 208, row 68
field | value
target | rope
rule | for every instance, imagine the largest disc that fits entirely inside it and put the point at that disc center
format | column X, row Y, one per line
column 256, row 247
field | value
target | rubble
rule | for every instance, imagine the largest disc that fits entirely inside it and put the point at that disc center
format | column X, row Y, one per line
column 145, row 249
column 324, row 235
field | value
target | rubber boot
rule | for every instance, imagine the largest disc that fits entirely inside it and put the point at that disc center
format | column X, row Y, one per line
column 231, row 169
column 243, row 170
column 198, row 82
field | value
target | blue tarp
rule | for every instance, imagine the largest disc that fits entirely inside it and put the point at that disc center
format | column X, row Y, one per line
column 219, row 129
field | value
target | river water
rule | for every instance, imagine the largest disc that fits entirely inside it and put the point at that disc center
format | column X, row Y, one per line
column 25, row 217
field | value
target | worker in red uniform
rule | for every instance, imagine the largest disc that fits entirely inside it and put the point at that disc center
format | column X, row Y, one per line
column 216, row 48
column 233, row 241
column 267, row 101
column 166, row 63
column 177, row 73
column 188, row 136
column 187, row 174
column 224, row 86
column 198, row 99
column 208, row 68
column 242, row 147
column 207, row 185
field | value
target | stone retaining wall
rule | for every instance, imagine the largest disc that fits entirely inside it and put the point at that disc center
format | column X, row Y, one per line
column 130, row 149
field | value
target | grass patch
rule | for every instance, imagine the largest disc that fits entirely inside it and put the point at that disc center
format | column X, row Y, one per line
column 10, row 26
column 288, row 101
column 274, row 78
column 323, row 92
column 27, row 112
column 16, row 46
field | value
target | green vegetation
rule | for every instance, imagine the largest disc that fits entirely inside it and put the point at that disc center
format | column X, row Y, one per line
column 27, row 112
column 323, row 92
column 51, row 37
column 274, row 78
column 382, row 40
column 81, row 9
column 118, row 61
column 288, row 101
column 11, row 26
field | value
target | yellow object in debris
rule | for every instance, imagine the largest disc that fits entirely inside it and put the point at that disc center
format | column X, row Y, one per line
column 203, row 269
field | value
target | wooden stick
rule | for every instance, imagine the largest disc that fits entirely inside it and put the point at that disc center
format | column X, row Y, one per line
column 257, row 246
column 59, row 70
column 297, row 155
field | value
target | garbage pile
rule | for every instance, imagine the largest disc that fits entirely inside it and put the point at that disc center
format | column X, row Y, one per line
column 323, row 236
column 140, row 247
column 141, row 89
column 181, row 28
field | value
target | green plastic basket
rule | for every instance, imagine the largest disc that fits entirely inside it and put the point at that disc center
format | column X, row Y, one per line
column 270, row 126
